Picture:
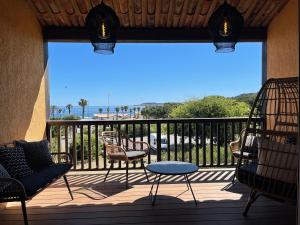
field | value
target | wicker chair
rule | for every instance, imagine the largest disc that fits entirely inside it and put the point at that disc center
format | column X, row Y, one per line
column 250, row 149
column 121, row 148
column 273, row 169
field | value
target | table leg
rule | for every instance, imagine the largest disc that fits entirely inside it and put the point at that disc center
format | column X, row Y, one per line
column 186, row 182
column 153, row 197
column 189, row 184
column 150, row 193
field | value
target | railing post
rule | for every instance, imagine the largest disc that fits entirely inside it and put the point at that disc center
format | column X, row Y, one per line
column 158, row 141
column 218, row 144
column 203, row 143
column 225, row 144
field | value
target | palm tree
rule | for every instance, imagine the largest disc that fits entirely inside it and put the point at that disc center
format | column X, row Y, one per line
column 138, row 109
column 122, row 110
column 83, row 103
column 100, row 110
column 60, row 110
column 69, row 107
column 130, row 112
column 107, row 110
column 53, row 110
column 134, row 109
column 125, row 108
column 117, row 111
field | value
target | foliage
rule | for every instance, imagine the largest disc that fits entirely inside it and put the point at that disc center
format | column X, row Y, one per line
column 209, row 107
column 71, row 117
column 83, row 103
column 53, row 109
column 247, row 98
column 157, row 112
column 69, row 107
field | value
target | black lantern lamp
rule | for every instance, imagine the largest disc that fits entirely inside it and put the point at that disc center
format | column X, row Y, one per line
column 102, row 24
column 225, row 26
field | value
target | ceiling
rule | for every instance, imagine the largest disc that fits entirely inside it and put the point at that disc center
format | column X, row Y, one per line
column 65, row 18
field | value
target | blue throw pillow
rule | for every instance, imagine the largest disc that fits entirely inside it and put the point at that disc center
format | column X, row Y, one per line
column 37, row 154
column 14, row 161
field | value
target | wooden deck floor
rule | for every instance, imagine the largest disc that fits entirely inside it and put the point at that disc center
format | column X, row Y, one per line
column 109, row 203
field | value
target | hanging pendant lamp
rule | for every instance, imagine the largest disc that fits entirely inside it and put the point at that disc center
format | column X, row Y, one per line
column 225, row 26
column 102, row 24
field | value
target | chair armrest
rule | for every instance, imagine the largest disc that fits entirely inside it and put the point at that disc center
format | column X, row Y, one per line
column 63, row 156
column 235, row 145
column 146, row 149
column 11, row 188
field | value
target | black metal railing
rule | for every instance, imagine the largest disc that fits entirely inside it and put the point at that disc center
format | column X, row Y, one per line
column 204, row 141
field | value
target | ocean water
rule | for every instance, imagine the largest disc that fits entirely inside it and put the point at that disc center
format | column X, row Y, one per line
column 89, row 110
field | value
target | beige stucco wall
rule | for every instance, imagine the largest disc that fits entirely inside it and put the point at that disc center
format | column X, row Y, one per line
column 283, row 43
column 22, row 74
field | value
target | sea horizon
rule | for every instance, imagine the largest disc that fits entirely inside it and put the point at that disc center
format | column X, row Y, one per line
column 90, row 111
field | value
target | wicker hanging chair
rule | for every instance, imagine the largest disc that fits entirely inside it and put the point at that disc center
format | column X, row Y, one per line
column 272, row 169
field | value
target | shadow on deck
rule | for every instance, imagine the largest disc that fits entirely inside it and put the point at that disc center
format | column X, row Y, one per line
column 97, row 202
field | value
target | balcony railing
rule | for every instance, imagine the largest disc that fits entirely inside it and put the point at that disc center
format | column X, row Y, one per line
column 204, row 141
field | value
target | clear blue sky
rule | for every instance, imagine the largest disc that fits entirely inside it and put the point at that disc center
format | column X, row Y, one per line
column 139, row 73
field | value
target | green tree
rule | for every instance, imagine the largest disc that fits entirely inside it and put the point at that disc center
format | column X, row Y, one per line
column 246, row 97
column 69, row 107
column 134, row 109
column 59, row 110
column 117, row 111
column 209, row 107
column 158, row 112
column 53, row 110
column 130, row 112
column 107, row 111
column 138, row 111
column 100, row 110
column 125, row 108
column 83, row 103
column 122, row 110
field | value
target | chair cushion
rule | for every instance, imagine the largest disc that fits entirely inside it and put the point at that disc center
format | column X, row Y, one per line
column 37, row 153
column 3, row 172
column 14, row 161
column 42, row 178
column 247, row 155
column 135, row 154
column 247, row 174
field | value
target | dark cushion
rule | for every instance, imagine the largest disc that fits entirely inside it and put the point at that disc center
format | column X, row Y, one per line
column 42, row 178
column 3, row 172
column 14, row 161
column 247, row 174
column 37, row 153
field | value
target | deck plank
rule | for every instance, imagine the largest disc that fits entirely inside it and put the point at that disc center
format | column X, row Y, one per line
column 110, row 203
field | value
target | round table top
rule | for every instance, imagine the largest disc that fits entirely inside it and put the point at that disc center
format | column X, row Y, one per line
column 172, row 167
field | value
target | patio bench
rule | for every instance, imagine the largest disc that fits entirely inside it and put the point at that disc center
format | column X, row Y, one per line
column 24, row 173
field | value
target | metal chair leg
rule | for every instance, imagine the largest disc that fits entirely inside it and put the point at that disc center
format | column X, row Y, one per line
column 126, row 175
column 253, row 196
column 68, row 186
column 111, row 165
column 145, row 170
column 23, row 203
